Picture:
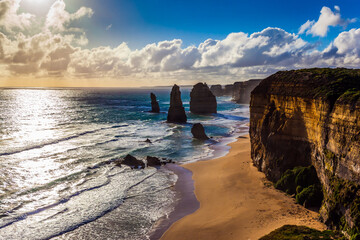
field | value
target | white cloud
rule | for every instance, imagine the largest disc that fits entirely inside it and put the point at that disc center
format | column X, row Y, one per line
column 327, row 19
column 58, row 18
column 108, row 27
column 306, row 26
column 58, row 49
column 10, row 19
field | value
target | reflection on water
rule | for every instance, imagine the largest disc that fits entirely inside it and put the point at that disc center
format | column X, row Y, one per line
column 56, row 149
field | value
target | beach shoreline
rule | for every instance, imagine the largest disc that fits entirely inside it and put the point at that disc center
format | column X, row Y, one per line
column 236, row 201
column 186, row 201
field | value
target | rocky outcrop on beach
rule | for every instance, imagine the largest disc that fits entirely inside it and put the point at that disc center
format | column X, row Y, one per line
column 176, row 113
column 312, row 117
column 202, row 100
column 133, row 162
column 155, row 161
column 154, row 104
column 217, row 90
column 242, row 90
column 198, row 132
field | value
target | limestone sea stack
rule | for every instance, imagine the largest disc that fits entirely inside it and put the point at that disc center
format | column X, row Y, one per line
column 154, row 104
column 176, row 113
column 217, row 90
column 202, row 100
column 198, row 131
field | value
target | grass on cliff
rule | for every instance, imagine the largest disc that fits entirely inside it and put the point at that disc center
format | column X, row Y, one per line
column 304, row 184
column 292, row 232
column 325, row 83
column 338, row 83
column 345, row 193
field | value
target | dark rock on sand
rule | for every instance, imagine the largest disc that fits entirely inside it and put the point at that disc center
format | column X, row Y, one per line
column 176, row 112
column 154, row 104
column 202, row 100
column 198, row 131
column 133, row 162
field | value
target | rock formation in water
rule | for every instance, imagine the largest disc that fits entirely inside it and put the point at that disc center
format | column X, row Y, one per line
column 312, row 117
column 242, row 90
column 198, row 131
column 153, row 161
column 217, row 90
column 133, row 162
column 202, row 100
column 228, row 90
column 176, row 113
column 154, row 104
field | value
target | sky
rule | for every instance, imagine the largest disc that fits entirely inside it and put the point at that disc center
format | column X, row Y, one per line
column 130, row 43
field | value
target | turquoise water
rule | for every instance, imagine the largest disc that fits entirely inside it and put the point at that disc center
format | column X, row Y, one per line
column 57, row 149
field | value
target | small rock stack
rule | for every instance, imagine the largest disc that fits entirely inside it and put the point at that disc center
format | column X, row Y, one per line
column 154, row 104
column 198, row 131
column 176, row 113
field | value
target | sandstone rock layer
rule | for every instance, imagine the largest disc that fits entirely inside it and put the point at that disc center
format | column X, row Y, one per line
column 202, row 100
column 312, row 117
column 176, row 113
column 242, row 90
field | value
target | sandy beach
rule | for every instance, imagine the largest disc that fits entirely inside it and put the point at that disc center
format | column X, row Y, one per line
column 236, row 201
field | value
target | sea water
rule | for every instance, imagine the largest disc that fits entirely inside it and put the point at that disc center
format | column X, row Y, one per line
column 57, row 149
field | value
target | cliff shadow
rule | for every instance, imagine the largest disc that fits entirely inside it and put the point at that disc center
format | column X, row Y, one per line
column 285, row 142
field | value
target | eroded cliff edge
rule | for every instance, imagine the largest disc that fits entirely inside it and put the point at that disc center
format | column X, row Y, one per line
column 312, row 117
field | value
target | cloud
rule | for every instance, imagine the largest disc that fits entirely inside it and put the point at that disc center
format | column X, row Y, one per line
column 58, row 18
column 58, row 49
column 327, row 19
column 348, row 42
column 10, row 19
column 270, row 46
column 100, row 62
column 108, row 27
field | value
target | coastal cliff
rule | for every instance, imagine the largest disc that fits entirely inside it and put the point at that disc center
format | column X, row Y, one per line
column 239, row 91
column 312, row 117
column 242, row 90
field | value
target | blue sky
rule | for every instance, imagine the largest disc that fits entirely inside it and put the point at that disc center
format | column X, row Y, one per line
column 159, row 42
column 139, row 22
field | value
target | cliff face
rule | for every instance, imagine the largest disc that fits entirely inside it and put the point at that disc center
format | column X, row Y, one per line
column 242, row 90
column 202, row 100
column 312, row 117
column 217, row 90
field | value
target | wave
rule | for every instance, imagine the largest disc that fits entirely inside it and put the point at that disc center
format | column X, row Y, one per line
column 28, row 148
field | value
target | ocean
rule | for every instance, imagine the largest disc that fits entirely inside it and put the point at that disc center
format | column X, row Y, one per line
column 57, row 149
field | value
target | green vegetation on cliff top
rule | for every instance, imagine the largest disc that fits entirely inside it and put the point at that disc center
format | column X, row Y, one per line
column 326, row 83
column 292, row 232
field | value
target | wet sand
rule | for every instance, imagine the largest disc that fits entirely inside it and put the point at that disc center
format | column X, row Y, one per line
column 186, row 204
column 236, row 201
